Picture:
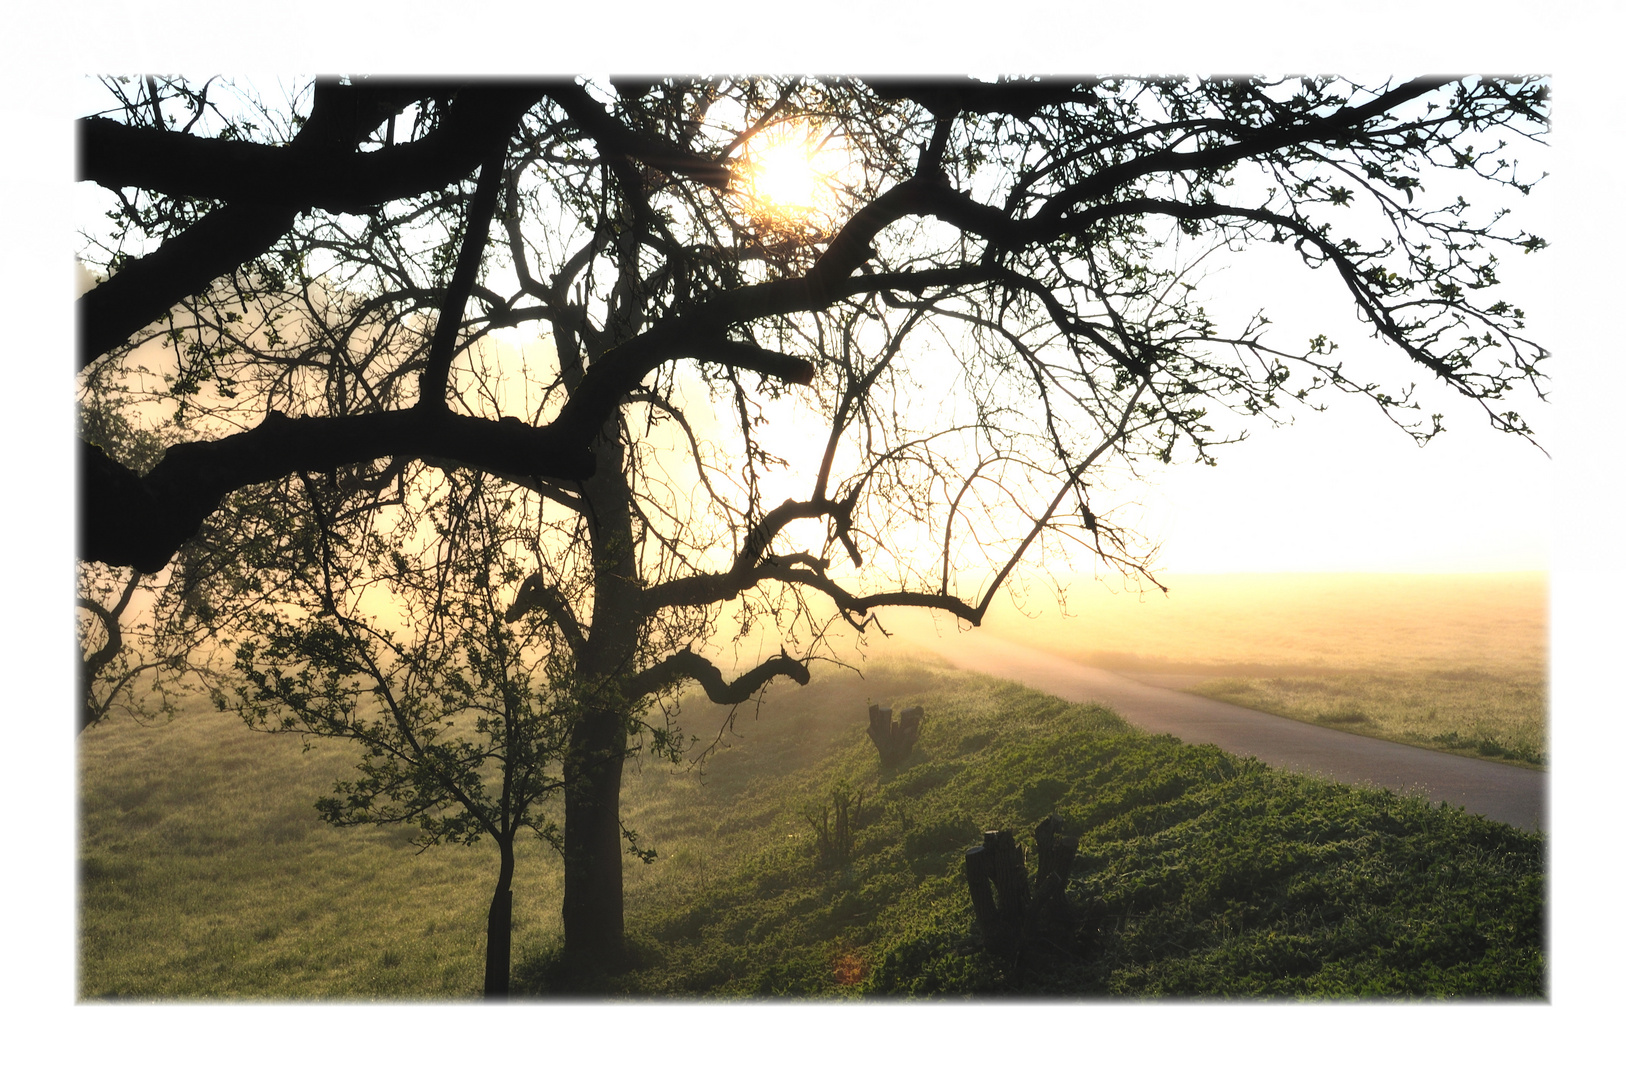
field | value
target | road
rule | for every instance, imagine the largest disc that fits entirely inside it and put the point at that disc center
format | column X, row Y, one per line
column 1500, row 792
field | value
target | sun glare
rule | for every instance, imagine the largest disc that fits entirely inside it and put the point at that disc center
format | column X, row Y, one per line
column 788, row 174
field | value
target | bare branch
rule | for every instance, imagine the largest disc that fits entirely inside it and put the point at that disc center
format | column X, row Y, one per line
column 437, row 369
column 306, row 175
column 690, row 665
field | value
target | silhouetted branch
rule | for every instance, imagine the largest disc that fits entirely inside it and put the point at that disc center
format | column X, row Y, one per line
column 616, row 140
column 342, row 180
column 144, row 290
column 141, row 521
column 619, row 371
column 535, row 592
column 437, row 369
column 266, row 186
column 691, row 665
column 946, row 97
column 109, row 618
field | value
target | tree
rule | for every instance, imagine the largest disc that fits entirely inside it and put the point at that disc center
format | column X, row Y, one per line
column 462, row 734
column 964, row 307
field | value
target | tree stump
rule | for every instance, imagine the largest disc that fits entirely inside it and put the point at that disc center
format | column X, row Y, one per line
column 1056, row 851
column 996, row 874
column 895, row 738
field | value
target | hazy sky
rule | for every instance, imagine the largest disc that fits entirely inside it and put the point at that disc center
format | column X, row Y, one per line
column 1346, row 491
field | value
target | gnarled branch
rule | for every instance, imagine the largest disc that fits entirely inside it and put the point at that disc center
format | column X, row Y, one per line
column 688, row 664
column 328, row 177
column 144, row 291
column 141, row 521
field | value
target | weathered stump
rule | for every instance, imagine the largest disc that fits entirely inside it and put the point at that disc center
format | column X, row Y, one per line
column 996, row 874
column 1056, row 851
column 895, row 738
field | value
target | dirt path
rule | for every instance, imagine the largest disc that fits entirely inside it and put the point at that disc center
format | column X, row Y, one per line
column 1501, row 792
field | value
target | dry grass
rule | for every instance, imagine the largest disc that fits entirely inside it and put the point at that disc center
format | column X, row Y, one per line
column 1456, row 662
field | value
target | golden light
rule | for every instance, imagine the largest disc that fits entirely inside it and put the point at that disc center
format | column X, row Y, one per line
column 788, row 175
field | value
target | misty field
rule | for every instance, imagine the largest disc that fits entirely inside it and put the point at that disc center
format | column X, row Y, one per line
column 207, row 874
column 1449, row 662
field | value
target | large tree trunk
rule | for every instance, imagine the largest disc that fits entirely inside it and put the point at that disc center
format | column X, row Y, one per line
column 592, row 914
column 592, row 910
column 500, row 925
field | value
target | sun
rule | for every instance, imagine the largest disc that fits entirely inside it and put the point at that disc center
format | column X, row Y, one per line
column 788, row 175
column 782, row 174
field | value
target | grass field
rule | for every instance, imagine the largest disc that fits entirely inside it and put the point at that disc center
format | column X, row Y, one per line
column 1452, row 662
column 208, row 875
column 205, row 872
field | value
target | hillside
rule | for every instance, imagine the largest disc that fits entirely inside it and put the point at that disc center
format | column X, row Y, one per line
column 207, row 874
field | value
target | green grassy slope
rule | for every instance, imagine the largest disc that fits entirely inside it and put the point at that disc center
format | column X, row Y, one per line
column 1199, row 874
column 207, row 872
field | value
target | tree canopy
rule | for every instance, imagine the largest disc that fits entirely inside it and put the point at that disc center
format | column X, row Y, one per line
column 776, row 351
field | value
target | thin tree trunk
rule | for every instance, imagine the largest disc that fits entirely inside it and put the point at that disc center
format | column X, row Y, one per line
column 500, row 925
